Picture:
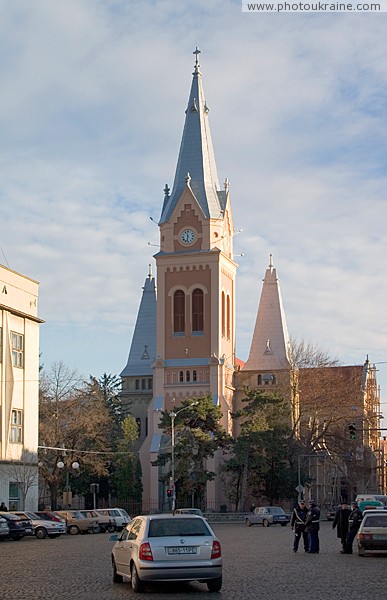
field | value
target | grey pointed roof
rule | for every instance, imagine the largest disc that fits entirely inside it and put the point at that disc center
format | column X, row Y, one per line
column 196, row 162
column 143, row 349
column 270, row 343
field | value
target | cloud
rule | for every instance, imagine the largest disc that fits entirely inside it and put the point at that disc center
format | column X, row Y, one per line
column 91, row 114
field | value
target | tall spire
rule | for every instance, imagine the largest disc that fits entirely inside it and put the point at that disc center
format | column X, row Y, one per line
column 270, row 344
column 143, row 348
column 196, row 156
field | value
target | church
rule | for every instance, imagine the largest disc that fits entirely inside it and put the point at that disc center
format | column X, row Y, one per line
column 183, row 344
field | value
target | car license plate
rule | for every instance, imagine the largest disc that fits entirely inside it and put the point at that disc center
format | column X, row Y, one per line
column 182, row 550
column 28, row 530
column 380, row 536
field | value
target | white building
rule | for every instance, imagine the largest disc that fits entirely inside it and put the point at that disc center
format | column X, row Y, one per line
column 19, row 390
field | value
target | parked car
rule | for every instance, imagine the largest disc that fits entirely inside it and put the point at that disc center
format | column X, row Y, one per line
column 267, row 515
column 331, row 513
column 18, row 527
column 155, row 548
column 105, row 522
column 77, row 523
column 189, row 511
column 4, row 529
column 41, row 527
column 119, row 515
column 372, row 534
column 371, row 504
column 49, row 515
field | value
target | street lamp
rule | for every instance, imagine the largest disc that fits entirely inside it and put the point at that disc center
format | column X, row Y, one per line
column 173, row 416
column 67, row 495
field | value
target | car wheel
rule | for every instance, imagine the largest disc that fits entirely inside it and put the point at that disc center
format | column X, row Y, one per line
column 137, row 585
column 214, row 585
column 116, row 578
column 95, row 529
column 54, row 536
column 283, row 524
column 111, row 528
column 248, row 523
column 40, row 533
column 73, row 530
column 266, row 523
column 361, row 552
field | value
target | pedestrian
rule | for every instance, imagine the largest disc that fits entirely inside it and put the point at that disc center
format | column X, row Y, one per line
column 3, row 507
column 312, row 527
column 297, row 523
column 354, row 522
column 341, row 521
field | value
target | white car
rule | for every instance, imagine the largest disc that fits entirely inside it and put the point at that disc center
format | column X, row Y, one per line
column 372, row 534
column 162, row 548
column 118, row 515
column 4, row 529
column 41, row 527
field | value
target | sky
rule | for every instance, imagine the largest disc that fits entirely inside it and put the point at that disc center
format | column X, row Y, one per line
column 91, row 117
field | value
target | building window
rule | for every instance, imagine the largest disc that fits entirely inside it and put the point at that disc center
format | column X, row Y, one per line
column 150, row 384
column 197, row 310
column 259, row 379
column 143, row 384
column 17, row 349
column 194, row 375
column 181, row 376
column 137, row 384
column 14, row 496
column 187, row 376
column 16, row 436
column 179, row 312
column 228, row 317
column 223, row 316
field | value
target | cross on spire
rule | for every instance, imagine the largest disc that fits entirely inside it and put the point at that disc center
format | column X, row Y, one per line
column 197, row 52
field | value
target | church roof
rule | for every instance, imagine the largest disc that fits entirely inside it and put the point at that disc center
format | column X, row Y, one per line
column 196, row 163
column 143, row 349
column 270, row 343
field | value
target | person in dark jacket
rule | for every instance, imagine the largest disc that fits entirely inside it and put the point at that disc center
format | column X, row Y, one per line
column 3, row 507
column 297, row 523
column 354, row 522
column 341, row 521
column 312, row 527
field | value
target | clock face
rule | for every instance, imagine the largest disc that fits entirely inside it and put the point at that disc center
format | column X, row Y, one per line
column 187, row 236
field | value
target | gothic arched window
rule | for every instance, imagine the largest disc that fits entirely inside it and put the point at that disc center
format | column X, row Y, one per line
column 194, row 375
column 179, row 312
column 197, row 310
column 228, row 317
column 181, row 376
column 223, row 316
column 188, row 376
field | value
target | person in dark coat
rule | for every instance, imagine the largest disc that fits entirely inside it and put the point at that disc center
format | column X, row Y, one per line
column 312, row 527
column 354, row 521
column 341, row 521
column 3, row 507
column 297, row 523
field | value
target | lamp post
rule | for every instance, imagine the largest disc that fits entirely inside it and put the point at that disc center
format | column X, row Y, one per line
column 67, row 495
column 173, row 416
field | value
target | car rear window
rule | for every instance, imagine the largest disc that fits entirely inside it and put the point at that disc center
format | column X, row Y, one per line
column 173, row 526
column 275, row 510
column 375, row 521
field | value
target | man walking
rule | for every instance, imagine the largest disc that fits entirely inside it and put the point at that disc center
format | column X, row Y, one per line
column 297, row 524
column 341, row 521
column 355, row 519
column 312, row 527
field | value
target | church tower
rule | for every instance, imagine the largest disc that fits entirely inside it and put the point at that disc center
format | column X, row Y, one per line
column 268, row 367
column 195, row 332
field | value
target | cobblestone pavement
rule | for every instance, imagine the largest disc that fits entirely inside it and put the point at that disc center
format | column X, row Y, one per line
column 258, row 564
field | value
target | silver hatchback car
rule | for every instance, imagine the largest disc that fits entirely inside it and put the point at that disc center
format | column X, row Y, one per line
column 161, row 548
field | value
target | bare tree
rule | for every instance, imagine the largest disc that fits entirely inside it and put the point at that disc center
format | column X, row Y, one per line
column 73, row 416
column 24, row 472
